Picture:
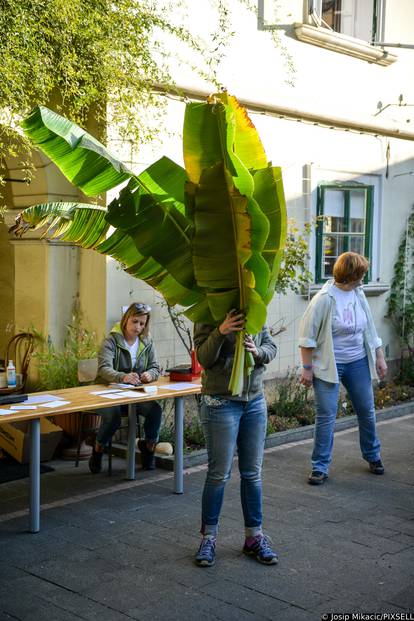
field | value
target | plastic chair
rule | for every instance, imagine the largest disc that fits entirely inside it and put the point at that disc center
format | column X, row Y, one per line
column 20, row 349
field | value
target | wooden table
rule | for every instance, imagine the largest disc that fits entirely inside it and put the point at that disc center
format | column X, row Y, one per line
column 81, row 399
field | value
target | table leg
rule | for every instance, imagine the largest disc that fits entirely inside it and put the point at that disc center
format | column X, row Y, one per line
column 179, row 441
column 34, row 511
column 132, row 433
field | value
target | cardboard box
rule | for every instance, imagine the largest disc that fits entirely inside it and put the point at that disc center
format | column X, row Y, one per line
column 15, row 439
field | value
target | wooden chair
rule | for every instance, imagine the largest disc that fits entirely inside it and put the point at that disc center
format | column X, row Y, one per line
column 20, row 349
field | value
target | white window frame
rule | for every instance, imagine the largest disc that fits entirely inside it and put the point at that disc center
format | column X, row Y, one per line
column 313, row 30
column 318, row 176
column 314, row 17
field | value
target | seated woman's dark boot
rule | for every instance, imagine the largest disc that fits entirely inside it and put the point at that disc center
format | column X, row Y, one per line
column 147, row 456
column 95, row 461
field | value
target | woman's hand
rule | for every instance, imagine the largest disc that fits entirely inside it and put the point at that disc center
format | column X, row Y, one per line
column 234, row 322
column 381, row 365
column 306, row 377
column 131, row 378
column 250, row 346
column 146, row 377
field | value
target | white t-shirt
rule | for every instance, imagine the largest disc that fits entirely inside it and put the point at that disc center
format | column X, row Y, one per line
column 348, row 324
column 133, row 350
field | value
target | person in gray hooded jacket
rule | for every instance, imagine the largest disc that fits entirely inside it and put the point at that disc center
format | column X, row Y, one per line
column 128, row 356
column 231, row 422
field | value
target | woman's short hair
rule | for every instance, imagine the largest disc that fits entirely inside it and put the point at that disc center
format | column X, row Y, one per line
column 134, row 310
column 349, row 267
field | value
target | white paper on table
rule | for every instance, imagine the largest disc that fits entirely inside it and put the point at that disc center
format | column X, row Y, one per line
column 104, row 392
column 23, row 407
column 114, row 395
column 132, row 394
column 4, row 412
column 34, row 399
column 54, row 404
column 180, row 386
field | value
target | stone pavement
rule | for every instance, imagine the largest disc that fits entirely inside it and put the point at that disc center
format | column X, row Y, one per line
column 114, row 550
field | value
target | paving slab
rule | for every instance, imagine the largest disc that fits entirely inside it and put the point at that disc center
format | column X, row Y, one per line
column 116, row 550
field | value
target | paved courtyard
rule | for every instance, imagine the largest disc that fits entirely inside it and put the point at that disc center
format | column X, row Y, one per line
column 113, row 550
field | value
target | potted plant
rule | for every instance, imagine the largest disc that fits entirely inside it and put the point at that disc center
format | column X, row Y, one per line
column 63, row 367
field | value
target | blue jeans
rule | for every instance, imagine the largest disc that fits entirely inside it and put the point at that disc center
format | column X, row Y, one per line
column 356, row 378
column 111, row 420
column 228, row 424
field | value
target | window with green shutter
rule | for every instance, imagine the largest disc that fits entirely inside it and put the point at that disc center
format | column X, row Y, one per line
column 344, row 223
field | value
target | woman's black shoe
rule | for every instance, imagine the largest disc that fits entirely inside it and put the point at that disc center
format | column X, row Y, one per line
column 95, row 461
column 376, row 467
column 147, row 456
column 317, row 478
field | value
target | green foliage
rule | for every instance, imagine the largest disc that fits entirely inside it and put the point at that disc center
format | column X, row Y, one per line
column 58, row 367
column 193, row 431
column 100, row 60
column 277, row 423
column 292, row 402
column 209, row 238
column 388, row 394
column 401, row 300
column 294, row 273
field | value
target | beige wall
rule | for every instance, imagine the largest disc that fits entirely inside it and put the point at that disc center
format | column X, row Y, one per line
column 41, row 279
column 324, row 82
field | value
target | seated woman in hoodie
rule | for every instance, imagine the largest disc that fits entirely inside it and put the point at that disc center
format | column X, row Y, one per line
column 128, row 356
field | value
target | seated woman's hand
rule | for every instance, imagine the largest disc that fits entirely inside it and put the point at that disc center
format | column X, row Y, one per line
column 131, row 378
column 146, row 377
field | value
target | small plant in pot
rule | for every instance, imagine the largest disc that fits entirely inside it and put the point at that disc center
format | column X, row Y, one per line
column 65, row 367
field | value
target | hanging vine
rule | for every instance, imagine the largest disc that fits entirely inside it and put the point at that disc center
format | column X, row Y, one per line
column 401, row 299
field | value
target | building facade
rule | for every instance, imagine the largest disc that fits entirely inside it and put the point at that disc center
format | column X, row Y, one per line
column 333, row 110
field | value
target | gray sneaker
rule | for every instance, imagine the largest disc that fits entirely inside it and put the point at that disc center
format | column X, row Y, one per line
column 260, row 549
column 206, row 554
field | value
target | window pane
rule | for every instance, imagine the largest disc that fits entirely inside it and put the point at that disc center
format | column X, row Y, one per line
column 356, row 244
column 331, row 13
column 351, row 17
column 334, row 211
column 357, row 211
column 333, row 246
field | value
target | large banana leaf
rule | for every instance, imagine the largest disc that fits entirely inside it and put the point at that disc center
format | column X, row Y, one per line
column 209, row 238
column 231, row 228
column 81, row 158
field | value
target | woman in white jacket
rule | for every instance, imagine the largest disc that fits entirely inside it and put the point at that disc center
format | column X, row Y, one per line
column 339, row 343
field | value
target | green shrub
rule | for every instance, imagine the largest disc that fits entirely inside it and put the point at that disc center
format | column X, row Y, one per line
column 58, row 367
column 278, row 423
column 292, row 401
column 193, row 430
column 406, row 372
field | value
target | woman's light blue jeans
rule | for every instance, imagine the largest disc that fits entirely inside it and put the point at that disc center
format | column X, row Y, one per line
column 228, row 424
column 356, row 378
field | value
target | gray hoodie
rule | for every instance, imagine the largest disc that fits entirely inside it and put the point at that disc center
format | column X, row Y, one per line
column 114, row 358
column 215, row 353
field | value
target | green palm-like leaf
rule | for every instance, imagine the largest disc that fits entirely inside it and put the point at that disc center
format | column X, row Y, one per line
column 234, row 233
column 209, row 237
column 81, row 158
